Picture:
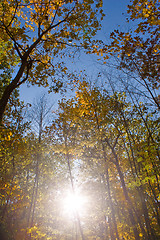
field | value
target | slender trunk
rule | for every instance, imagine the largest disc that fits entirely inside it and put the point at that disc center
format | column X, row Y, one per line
column 111, row 229
column 155, row 203
column 110, row 200
column 140, row 192
column 73, row 190
column 131, row 215
column 150, row 232
column 37, row 176
column 30, row 209
column 8, row 198
column 10, row 192
column 36, row 193
column 107, row 179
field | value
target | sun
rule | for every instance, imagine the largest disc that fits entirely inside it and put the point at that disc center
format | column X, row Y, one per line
column 73, row 203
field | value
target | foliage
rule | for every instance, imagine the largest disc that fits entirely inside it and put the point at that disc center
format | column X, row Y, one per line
column 37, row 33
column 102, row 131
column 103, row 145
column 138, row 49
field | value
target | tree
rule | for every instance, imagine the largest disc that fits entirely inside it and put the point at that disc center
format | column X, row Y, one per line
column 37, row 32
column 11, row 149
column 29, row 174
column 110, row 131
column 139, row 50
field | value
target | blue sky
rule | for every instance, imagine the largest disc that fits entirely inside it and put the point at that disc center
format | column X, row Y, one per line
column 115, row 11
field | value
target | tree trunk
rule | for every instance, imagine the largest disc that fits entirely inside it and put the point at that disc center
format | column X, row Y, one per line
column 131, row 215
column 9, row 89
column 110, row 198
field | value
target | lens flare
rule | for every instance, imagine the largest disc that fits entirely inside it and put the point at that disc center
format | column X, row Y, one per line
column 74, row 202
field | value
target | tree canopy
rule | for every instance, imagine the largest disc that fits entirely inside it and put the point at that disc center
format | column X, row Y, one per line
column 139, row 48
column 87, row 167
column 35, row 33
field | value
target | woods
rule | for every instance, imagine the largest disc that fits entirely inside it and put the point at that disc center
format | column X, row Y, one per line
column 86, row 167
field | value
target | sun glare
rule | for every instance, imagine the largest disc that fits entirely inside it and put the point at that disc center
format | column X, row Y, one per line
column 74, row 202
